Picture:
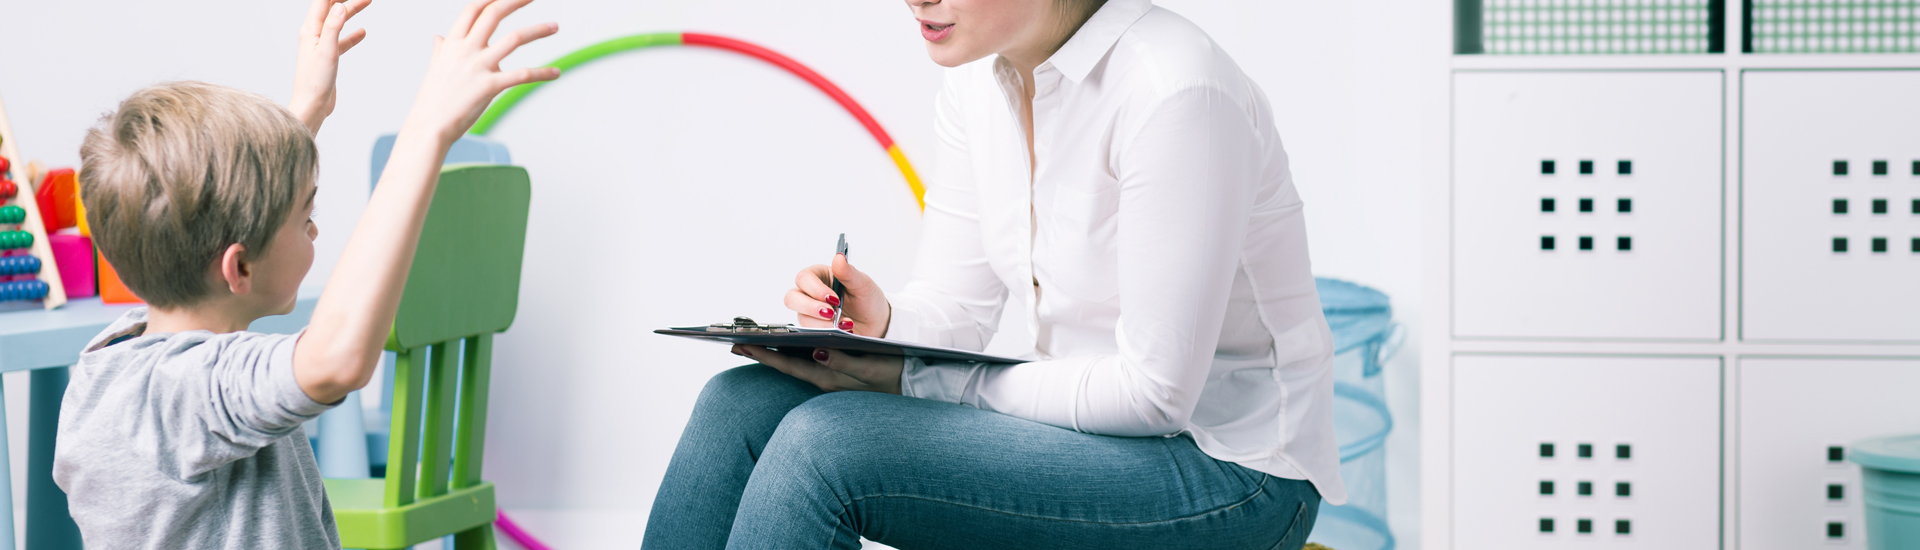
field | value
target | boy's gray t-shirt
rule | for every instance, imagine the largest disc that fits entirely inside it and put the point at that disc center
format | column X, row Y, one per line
column 190, row 440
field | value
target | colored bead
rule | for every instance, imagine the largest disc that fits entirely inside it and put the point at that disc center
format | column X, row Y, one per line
column 19, row 265
column 15, row 239
column 13, row 214
column 7, row 188
column 23, row 290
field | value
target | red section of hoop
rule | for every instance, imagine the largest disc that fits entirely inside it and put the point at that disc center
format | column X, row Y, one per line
column 784, row 62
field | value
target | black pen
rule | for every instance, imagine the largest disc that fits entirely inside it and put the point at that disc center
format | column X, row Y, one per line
column 839, row 290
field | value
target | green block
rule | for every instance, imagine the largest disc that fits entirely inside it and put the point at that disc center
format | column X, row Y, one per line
column 465, row 278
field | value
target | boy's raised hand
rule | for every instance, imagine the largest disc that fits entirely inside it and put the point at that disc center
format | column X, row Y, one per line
column 319, row 58
column 465, row 74
column 337, row 353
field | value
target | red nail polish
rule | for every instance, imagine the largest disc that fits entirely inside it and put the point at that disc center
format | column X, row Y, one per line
column 846, row 325
column 820, row 355
column 828, row 313
column 833, row 301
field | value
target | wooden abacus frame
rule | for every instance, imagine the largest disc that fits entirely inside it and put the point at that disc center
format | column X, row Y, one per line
column 49, row 271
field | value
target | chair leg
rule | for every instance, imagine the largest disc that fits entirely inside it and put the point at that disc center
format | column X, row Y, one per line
column 478, row 538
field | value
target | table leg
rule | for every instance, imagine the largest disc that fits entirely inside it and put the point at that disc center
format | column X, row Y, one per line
column 49, row 525
column 6, row 479
column 343, row 441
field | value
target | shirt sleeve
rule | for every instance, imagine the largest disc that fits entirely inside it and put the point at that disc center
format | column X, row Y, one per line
column 244, row 401
column 954, row 299
column 1187, row 177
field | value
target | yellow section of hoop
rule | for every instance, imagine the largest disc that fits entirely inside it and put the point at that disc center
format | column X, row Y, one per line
column 913, row 179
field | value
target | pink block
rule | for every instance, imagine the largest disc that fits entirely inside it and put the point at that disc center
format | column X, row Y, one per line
column 74, row 256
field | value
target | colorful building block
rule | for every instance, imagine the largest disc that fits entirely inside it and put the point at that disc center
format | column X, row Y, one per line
column 58, row 194
column 74, row 256
column 112, row 290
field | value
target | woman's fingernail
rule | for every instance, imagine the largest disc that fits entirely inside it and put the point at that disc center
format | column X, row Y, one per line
column 833, row 301
column 820, row 355
column 846, row 325
column 745, row 353
column 828, row 313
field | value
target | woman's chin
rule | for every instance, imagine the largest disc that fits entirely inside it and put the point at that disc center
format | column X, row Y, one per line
column 946, row 55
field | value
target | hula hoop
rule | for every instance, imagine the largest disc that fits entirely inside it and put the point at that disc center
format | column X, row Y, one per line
column 624, row 44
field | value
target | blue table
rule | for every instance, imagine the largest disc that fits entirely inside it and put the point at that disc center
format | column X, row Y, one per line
column 47, row 342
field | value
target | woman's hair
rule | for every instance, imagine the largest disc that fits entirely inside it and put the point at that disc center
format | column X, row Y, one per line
column 1075, row 12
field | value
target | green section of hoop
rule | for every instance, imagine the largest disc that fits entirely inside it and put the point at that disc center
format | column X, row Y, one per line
column 568, row 62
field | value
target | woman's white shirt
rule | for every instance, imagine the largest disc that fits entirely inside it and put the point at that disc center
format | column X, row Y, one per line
column 1158, row 248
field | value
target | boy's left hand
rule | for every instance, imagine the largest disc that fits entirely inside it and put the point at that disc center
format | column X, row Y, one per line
column 319, row 61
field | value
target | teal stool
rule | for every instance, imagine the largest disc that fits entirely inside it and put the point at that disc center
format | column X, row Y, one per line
column 1890, row 483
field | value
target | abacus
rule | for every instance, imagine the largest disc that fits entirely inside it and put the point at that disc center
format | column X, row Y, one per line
column 27, row 270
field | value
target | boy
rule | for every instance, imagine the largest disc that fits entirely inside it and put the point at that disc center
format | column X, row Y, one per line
column 180, row 429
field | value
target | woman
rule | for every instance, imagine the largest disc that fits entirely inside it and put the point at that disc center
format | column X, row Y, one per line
column 1112, row 170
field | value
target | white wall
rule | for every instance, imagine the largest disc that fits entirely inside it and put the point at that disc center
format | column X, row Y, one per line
column 687, row 186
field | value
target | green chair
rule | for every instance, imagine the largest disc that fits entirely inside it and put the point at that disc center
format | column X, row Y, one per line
column 464, row 287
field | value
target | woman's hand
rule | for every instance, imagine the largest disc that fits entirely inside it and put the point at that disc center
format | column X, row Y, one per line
column 864, row 308
column 833, row 370
column 319, row 60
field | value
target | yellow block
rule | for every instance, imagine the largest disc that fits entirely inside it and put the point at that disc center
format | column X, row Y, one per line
column 80, row 210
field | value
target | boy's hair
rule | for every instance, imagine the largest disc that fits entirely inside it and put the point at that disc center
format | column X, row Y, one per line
column 182, row 170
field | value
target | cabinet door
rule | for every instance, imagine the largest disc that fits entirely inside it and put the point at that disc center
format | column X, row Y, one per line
column 1587, row 205
column 1797, row 490
column 1569, row 452
column 1830, row 231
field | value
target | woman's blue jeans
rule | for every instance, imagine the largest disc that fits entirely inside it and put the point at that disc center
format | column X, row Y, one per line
column 768, row 461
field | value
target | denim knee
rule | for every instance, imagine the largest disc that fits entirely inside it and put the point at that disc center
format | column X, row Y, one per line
column 752, row 394
column 832, row 435
column 732, row 381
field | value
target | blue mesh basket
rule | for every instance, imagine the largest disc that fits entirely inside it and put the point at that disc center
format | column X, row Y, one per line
column 1364, row 337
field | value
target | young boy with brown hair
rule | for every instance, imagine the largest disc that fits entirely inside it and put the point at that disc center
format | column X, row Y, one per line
column 180, row 429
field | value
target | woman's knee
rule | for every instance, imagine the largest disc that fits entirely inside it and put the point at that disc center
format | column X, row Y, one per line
column 837, row 430
column 751, row 392
column 737, row 380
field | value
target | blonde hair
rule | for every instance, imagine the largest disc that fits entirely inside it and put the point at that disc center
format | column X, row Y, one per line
column 182, row 170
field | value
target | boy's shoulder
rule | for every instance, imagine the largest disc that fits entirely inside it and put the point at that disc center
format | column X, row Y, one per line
column 130, row 325
column 125, row 341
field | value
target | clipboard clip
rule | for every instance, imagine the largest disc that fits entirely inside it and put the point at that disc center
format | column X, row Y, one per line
column 746, row 325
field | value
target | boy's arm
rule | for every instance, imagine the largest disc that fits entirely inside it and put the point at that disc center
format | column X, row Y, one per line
column 337, row 353
column 319, row 59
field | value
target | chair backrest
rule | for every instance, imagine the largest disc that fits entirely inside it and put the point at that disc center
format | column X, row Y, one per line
column 464, row 287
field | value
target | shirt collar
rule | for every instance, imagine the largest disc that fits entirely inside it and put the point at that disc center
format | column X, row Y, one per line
column 1077, row 57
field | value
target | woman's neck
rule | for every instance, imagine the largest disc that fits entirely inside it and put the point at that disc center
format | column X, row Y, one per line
column 1028, row 54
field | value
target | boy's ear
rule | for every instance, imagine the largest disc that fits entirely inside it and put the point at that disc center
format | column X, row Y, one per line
column 234, row 269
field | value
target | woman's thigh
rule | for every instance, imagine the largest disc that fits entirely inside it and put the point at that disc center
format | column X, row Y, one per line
column 922, row 474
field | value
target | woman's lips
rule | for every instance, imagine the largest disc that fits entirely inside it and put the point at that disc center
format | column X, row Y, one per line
column 935, row 32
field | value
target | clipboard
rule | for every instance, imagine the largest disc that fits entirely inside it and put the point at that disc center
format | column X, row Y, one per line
column 800, row 341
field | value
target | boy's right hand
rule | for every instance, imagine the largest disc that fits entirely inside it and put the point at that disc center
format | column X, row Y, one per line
column 465, row 74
